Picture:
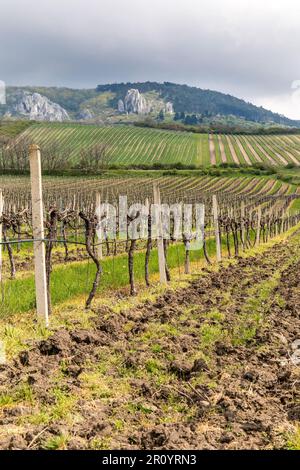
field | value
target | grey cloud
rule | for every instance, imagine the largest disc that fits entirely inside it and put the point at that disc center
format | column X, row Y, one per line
column 246, row 48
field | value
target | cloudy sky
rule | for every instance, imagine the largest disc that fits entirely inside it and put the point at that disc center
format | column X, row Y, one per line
column 248, row 48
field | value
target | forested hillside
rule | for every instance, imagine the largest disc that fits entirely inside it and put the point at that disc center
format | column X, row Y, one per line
column 129, row 102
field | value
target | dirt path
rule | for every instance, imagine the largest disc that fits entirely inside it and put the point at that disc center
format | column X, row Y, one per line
column 262, row 150
column 268, row 147
column 205, row 367
column 212, row 150
column 253, row 151
column 222, row 149
column 232, row 151
column 243, row 151
column 285, row 146
column 295, row 140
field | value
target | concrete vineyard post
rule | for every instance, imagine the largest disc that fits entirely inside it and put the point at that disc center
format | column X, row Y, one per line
column 160, row 243
column 99, row 231
column 258, row 226
column 1, row 212
column 38, row 232
column 216, row 225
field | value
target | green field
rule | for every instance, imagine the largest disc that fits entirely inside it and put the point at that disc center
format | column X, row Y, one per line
column 126, row 144
column 132, row 145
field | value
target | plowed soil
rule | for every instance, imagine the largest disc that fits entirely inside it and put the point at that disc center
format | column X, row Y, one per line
column 210, row 366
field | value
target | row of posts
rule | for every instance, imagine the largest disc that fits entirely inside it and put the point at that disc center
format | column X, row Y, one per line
column 38, row 232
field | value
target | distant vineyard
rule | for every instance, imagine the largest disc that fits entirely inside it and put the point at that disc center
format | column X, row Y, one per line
column 128, row 145
column 63, row 191
column 241, row 211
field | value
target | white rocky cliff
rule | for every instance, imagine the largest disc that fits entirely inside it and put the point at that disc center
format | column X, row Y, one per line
column 39, row 108
column 135, row 102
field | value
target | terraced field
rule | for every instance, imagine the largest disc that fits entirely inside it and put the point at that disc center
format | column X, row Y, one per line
column 127, row 145
column 247, row 150
column 133, row 145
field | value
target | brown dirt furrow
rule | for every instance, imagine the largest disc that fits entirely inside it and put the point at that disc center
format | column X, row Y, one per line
column 222, row 149
column 272, row 149
column 212, row 150
column 252, row 150
column 232, row 151
column 262, row 150
column 205, row 367
column 280, row 145
column 243, row 151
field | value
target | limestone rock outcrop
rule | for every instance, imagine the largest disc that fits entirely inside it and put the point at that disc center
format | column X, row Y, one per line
column 135, row 102
column 39, row 108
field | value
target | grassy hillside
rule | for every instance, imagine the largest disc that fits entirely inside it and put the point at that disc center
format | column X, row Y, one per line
column 128, row 145
column 193, row 100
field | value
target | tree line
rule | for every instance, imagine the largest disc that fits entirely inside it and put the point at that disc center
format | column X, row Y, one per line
column 192, row 123
column 55, row 157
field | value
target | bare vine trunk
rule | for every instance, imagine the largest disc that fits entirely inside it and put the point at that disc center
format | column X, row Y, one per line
column 205, row 249
column 52, row 230
column 10, row 256
column 89, row 231
column 168, row 275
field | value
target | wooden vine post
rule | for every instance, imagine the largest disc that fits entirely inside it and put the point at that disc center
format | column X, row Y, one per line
column 38, row 233
column 216, row 225
column 160, row 242
column 99, row 228
column 243, row 224
column 258, row 226
column 1, row 212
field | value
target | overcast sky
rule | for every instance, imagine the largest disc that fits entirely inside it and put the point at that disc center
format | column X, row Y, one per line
column 248, row 48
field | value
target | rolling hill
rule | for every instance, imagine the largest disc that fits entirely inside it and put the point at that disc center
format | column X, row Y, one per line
column 132, row 145
column 128, row 102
